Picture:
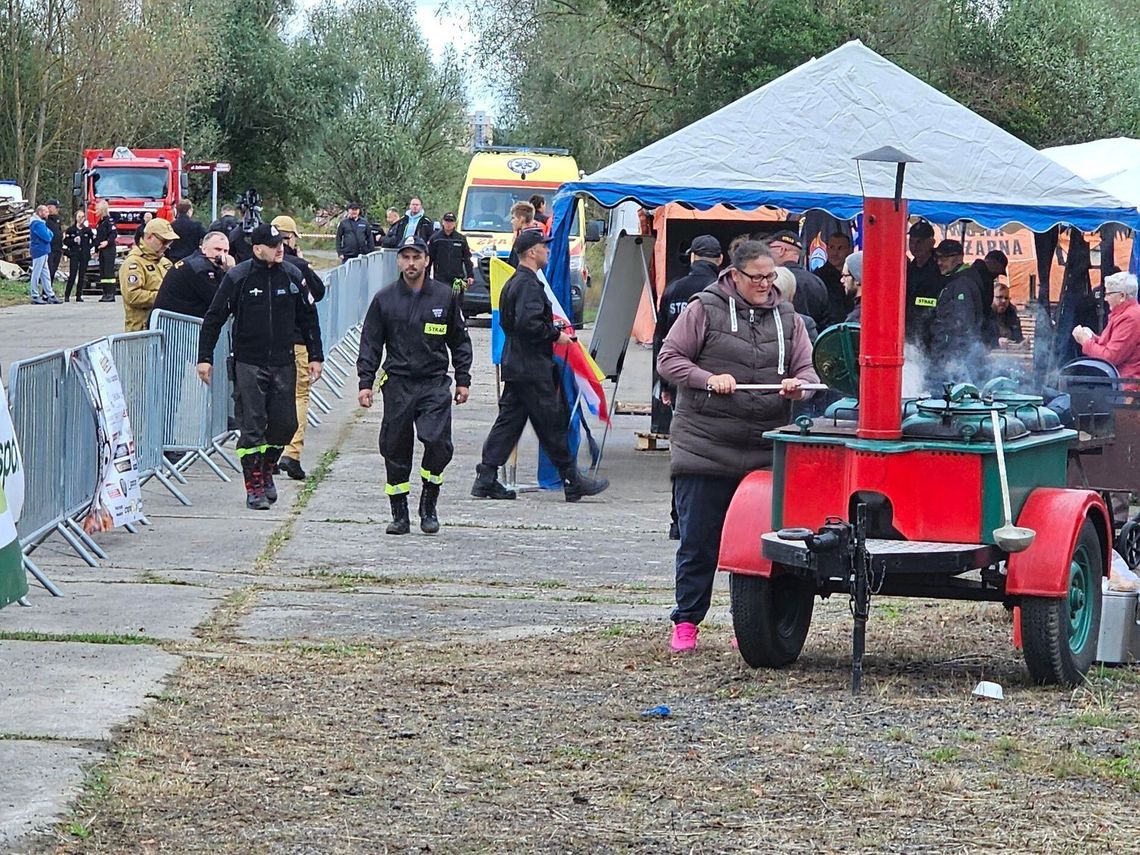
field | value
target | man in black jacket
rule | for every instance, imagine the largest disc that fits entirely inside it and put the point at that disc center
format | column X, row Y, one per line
column 290, row 462
column 353, row 235
column 190, row 233
column 53, row 223
column 268, row 302
column 190, row 285
column 957, row 329
column 923, row 284
column 411, row 326
column 414, row 223
column 830, row 273
column 530, row 388
column 451, row 257
column 811, row 294
column 226, row 222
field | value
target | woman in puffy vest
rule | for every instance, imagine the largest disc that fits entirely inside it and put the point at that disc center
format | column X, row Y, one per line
column 738, row 330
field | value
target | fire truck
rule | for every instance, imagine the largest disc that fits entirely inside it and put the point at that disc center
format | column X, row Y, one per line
column 132, row 182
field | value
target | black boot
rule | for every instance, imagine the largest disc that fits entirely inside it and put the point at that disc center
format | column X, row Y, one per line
column 487, row 484
column 268, row 464
column 575, row 485
column 292, row 468
column 254, row 489
column 429, row 522
column 400, row 523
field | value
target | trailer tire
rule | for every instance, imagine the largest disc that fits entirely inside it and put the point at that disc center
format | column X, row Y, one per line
column 771, row 617
column 1059, row 635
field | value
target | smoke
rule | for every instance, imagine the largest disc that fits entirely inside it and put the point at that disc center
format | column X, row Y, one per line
column 974, row 364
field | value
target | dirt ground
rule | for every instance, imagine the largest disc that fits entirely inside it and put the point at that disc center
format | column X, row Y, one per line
column 539, row 745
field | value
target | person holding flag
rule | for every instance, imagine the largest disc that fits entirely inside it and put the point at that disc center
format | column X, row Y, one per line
column 530, row 382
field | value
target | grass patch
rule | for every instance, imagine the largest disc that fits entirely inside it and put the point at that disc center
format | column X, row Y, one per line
column 13, row 292
column 84, row 637
column 943, row 754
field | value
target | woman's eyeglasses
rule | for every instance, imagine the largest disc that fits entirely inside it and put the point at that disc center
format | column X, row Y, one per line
column 757, row 278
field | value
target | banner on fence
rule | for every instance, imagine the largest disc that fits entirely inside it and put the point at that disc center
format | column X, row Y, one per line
column 118, row 500
column 13, row 579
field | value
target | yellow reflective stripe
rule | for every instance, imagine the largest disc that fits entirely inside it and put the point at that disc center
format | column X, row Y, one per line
column 430, row 478
column 928, row 302
column 383, row 379
column 257, row 449
column 398, row 489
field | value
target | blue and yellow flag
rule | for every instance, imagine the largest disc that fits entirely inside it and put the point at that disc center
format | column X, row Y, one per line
column 500, row 273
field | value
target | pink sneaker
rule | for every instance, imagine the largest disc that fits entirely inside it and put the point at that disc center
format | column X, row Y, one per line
column 684, row 638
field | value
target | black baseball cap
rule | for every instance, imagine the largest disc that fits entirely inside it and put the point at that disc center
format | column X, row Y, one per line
column 52, row 202
column 787, row 237
column 922, row 229
column 413, row 242
column 949, row 247
column 529, row 238
column 352, row 205
column 705, row 246
column 998, row 257
column 266, row 234
column 449, row 217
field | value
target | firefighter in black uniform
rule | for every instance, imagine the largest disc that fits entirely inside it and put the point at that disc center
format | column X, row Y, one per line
column 450, row 257
column 190, row 285
column 530, row 382
column 105, row 235
column 267, row 299
column 705, row 257
column 411, row 325
column 923, row 284
column 957, row 330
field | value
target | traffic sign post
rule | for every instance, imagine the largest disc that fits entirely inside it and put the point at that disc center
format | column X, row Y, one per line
column 213, row 167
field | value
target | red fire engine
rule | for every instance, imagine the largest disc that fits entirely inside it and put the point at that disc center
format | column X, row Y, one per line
column 132, row 182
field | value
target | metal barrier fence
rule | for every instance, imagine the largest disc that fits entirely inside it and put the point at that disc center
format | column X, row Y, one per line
column 173, row 414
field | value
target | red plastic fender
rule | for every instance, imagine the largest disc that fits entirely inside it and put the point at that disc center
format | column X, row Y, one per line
column 749, row 515
column 1056, row 515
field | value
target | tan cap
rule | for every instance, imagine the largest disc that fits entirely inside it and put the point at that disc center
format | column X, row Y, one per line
column 285, row 224
column 162, row 228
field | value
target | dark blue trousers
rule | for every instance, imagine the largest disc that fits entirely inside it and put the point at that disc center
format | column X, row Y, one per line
column 702, row 503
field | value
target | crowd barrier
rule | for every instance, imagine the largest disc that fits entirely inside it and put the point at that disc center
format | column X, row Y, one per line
column 177, row 420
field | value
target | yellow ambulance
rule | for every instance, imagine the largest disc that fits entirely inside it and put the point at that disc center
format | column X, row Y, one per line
column 497, row 177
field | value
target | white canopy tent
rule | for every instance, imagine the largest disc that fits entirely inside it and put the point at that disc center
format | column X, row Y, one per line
column 1113, row 165
column 755, row 152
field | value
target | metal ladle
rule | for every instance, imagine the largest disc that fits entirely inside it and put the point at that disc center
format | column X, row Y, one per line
column 1009, row 537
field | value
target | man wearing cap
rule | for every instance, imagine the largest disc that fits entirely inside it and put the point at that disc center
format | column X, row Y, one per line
column 290, row 462
column 268, row 301
column 191, row 283
column 705, row 257
column 143, row 270
column 923, row 284
column 530, row 385
column 451, row 257
column 410, row 328
column 53, row 223
column 988, row 269
column 811, row 294
column 957, row 329
column 353, row 235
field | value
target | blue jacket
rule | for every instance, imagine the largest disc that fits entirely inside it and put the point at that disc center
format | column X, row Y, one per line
column 41, row 237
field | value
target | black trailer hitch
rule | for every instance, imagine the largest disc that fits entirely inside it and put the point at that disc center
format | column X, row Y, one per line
column 841, row 551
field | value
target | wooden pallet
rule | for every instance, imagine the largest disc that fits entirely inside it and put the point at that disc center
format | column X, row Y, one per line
column 652, row 441
column 632, row 408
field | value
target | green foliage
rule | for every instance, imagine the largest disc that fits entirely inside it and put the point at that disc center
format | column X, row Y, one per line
column 1049, row 71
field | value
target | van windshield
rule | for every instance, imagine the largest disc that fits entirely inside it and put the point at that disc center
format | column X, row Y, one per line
column 488, row 209
column 130, row 182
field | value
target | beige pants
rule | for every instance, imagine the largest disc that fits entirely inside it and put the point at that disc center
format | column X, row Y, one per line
column 294, row 448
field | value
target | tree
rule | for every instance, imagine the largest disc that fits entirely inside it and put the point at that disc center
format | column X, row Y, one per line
column 400, row 120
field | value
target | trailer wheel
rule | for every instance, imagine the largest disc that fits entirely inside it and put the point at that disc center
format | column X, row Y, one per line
column 771, row 617
column 1060, row 634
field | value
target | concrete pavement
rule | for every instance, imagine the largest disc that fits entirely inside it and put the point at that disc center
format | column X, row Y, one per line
column 330, row 575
